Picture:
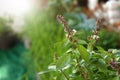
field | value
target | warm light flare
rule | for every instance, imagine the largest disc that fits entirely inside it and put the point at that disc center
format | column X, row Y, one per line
column 15, row 7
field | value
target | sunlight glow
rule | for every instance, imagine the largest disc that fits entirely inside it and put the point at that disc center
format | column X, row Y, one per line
column 15, row 7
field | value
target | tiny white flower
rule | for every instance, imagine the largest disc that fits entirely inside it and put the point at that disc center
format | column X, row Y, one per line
column 114, row 51
column 73, row 32
column 95, row 37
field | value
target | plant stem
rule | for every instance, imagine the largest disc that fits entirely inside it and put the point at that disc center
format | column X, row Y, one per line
column 65, row 75
column 80, row 70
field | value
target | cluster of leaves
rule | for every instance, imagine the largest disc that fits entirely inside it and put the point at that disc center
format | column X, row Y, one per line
column 83, row 59
column 80, row 22
column 43, row 36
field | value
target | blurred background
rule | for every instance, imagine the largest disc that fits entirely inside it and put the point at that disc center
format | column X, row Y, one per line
column 29, row 32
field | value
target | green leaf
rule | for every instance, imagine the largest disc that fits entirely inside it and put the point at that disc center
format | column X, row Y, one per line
column 117, row 54
column 61, row 44
column 63, row 61
column 104, row 53
column 82, row 42
column 59, row 77
column 83, row 52
column 116, row 78
column 100, row 49
column 101, row 64
column 91, row 45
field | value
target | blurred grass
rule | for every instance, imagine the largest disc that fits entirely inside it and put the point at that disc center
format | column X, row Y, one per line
column 43, row 32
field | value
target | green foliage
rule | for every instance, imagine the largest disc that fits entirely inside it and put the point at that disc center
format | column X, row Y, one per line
column 63, row 61
column 109, row 39
column 83, row 53
column 46, row 36
column 79, row 21
column 86, row 60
